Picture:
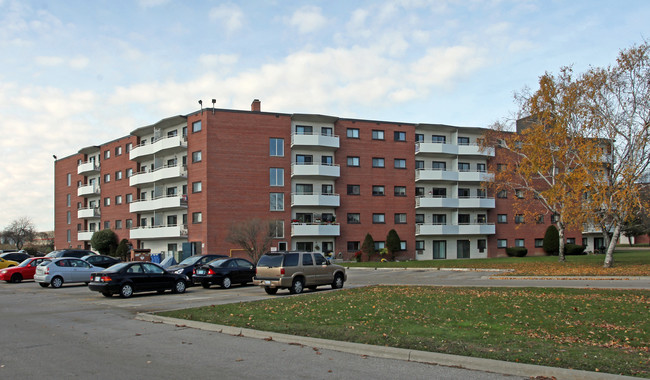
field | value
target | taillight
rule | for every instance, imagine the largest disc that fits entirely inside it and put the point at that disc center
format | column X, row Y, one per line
column 194, row 271
column 282, row 271
column 105, row 279
column 47, row 270
column 211, row 271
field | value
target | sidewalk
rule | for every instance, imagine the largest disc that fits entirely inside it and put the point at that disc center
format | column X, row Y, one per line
column 479, row 364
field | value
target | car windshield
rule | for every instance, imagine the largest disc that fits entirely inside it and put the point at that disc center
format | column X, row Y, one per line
column 270, row 261
column 190, row 260
column 217, row 263
column 52, row 254
column 25, row 263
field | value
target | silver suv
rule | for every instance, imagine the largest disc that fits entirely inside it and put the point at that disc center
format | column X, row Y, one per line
column 296, row 271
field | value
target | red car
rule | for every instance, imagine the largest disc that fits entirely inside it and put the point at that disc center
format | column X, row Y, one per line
column 23, row 271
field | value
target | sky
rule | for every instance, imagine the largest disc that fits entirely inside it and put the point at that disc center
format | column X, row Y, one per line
column 80, row 73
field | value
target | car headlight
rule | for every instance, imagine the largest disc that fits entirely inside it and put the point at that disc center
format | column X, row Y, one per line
column 178, row 271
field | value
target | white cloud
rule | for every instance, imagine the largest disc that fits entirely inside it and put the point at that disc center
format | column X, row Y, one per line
column 228, row 15
column 151, row 3
column 218, row 60
column 78, row 62
column 308, row 19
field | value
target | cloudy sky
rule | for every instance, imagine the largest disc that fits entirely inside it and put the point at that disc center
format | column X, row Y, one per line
column 78, row 73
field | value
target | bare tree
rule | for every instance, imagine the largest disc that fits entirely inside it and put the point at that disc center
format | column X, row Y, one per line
column 20, row 231
column 253, row 235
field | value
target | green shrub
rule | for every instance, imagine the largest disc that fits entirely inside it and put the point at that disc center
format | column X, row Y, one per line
column 516, row 251
column 551, row 243
column 574, row 249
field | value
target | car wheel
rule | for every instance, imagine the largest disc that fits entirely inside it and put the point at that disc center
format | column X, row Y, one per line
column 205, row 285
column 338, row 282
column 126, row 291
column 297, row 287
column 270, row 290
column 56, row 282
column 107, row 294
column 226, row 283
column 16, row 278
column 179, row 287
column 44, row 284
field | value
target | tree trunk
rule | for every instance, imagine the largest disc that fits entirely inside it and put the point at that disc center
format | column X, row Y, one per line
column 609, row 256
column 560, row 254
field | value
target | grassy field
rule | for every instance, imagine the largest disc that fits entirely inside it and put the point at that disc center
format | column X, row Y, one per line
column 594, row 330
column 626, row 263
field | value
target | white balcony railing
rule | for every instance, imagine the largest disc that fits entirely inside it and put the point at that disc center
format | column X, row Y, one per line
column 453, row 149
column 85, row 235
column 437, row 202
column 167, row 172
column 455, row 229
column 159, row 232
column 315, row 229
column 324, row 200
column 88, row 213
column 87, row 167
column 452, row 176
column 88, row 190
column 161, row 203
column 164, row 144
column 315, row 140
column 315, row 170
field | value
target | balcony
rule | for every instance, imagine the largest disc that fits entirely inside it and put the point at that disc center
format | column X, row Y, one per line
column 159, row 232
column 315, row 141
column 453, row 149
column 455, row 229
column 324, row 200
column 315, row 170
column 161, row 174
column 88, row 190
column 437, row 202
column 85, row 235
column 315, row 229
column 164, row 145
column 452, row 176
column 88, row 213
column 169, row 202
column 86, row 168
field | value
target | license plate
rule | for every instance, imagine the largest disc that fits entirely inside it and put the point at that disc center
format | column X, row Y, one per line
column 98, row 278
column 266, row 282
column 200, row 271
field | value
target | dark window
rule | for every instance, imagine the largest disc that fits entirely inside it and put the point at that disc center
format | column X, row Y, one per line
column 291, row 259
column 353, row 133
column 307, row 259
column 354, row 189
column 400, row 191
column 353, row 246
column 399, row 136
column 354, row 218
column 378, row 190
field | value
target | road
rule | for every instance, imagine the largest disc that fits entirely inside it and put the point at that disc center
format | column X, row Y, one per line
column 72, row 332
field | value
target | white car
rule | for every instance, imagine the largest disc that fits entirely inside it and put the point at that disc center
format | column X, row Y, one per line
column 56, row 272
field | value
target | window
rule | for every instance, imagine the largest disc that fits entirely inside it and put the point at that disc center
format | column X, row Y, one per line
column 69, row 179
column 463, row 141
column 463, row 193
column 502, row 243
column 502, row 194
column 276, row 177
column 378, row 218
column 353, row 246
column 402, row 245
column 118, row 175
column 419, row 191
column 196, row 126
column 519, row 243
column 539, row 219
column 197, row 187
column 519, row 219
column 277, row 229
column 400, row 218
column 419, row 164
column 277, row 201
column 354, row 189
column 463, row 218
column 419, row 245
column 480, row 168
column 440, row 219
column 399, row 136
column 118, row 199
column 539, row 243
column 502, row 167
column 327, row 189
column 107, row 201
column 419, row 218
column 380, row 245
column 129, row 173
column 439, row 165
column 438, row 139
column 353, row 161
column 118, row 224
column 419, row 137
column 354, row 218
column 377, row 134
column 107, row 178
column 107, row 225
column 327, row 131
column 107, row 154
column 304, row 129
column 570, row 240
column 327, row 160
column 129, row 198
column 481, row 193
column 463, row 166
column 377, row 162
column 555, row 218
column 68, row 200
column 129, row 224
column 304, row 188
column 353, row 133
column 68, row 217
column 481, row 244
column 502, row 218
column 400, row 191
column 129, row 146
column 304, row 159
column 400, row 163
column 118, row 151
column 439, row 249
column 68, row 235
column 276, row 147
column 197, row 217
column 519, row 193
column 378, row 190
column 196, row 156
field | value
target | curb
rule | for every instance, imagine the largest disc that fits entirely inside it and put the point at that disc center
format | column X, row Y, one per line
column 477, row 364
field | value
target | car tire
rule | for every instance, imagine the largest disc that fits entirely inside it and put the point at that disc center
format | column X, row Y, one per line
column 205, row 285
column 270, row 290
column 126, row 291
column 179, row 287
column 338, row 282
column 107, row 294
column 226, row 283
column 44, row 284
column 16, row 278
column 297, row 287
column 57, row 282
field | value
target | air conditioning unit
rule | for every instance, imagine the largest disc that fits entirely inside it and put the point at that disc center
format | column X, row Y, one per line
column 419, row 252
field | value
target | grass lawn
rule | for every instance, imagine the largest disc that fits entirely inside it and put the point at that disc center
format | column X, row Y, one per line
column 594, row 330
column 626, row 263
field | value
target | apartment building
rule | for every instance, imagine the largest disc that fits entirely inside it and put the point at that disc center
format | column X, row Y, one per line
column 177, row 186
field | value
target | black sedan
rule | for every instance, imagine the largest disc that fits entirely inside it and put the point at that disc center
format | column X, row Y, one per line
column 225, row 272
column 188, row 265
column 18, row 257
column 128, row 278
column 101, row 260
